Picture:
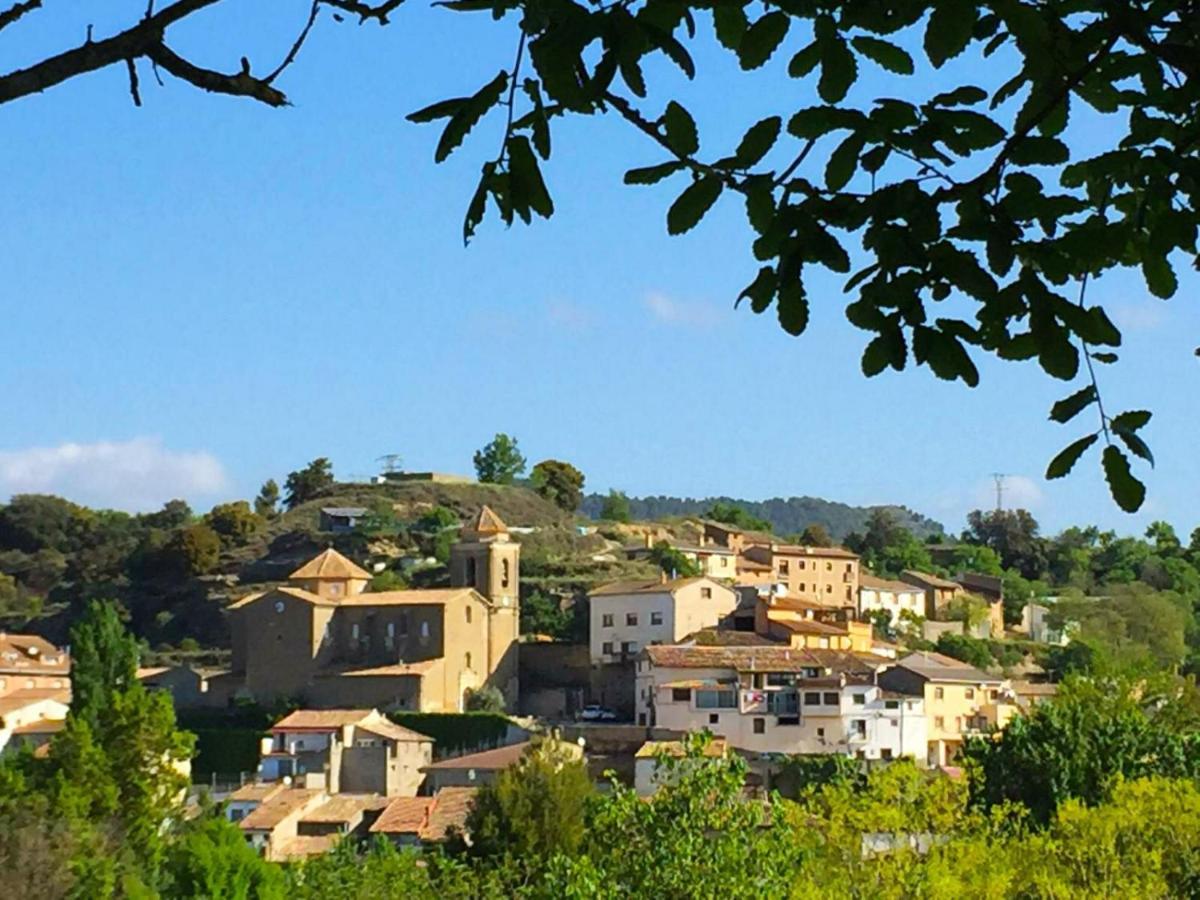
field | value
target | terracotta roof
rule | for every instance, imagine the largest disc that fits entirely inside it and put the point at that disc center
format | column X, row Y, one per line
column 435, row 597
column 393, row 732
column 751, row 565
column 256, row 792
column 403, row 815
column 329, row 564
column 42, row 726
column 762, row 659
column 31, row 654
column 930, row 580
column 694, row 684
column 875, row 583
column 1034, row 689
column 277, row 807
column 488, row 760
column 345, row 808
column 450, row 810
column 24, row 697
column 724, row 637
column 395, row 670
column 303, row 846
column 655, row 586
column 809, row 626
column 713, row 749
column 802, row 550
column 792, row 603
column 151, row 671
column 938, row 667
column 320, row 719
column 485, row 524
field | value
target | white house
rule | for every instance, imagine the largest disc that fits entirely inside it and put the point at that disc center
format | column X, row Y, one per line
column 627, row 616
column 1034, row 622
column 660, row 763
column 776, row 700
column 893, row 596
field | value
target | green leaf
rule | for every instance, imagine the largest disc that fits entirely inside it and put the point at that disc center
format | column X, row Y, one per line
column 817, row 121
column 944, row 354
column 690, row 206
column 1136, row 445
column 1131, row 421
column 758, row 141
column 729, row 21
column 1039, row 151
column 949, row 30
column 839, row 70
column 1069, row 407
column 681, row 130
column 468, row 115
column 443, row 109
column 761, row 290
column 1105, row 357
column 540, row 121
column 805, row 61
column 792, row 306
column 967, row 95
column 1066, row 459
column 652, row 174
column 1125, row 489
column 1160, row 277
column 762, row 39
column 527, row 177
column 478, row 205
column 843, row 162
column 760, row 203
column 884, row 53
column 886, row 349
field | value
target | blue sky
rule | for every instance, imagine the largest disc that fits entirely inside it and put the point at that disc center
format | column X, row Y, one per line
column 204, row 292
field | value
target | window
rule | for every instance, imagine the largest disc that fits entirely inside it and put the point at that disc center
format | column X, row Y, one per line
column 885, row 753
column 859, row 699
column 335, row 589
column 681, row 695
column 468, row 614
column 630, row 618
column 629, row 646
column 821, row 733
column 706, row 593
column 995, row 695
column 606, row 648
column 716, row 699
column 656, row 618
column 895, row 724
column 858, row 728
column 354, row 632
column 812, row 698
column 970, row 693
column 939, row 693
column 891, row 704
column 831, row 699
column 504, row 573
column 714, row 718
column 424, row 631
column 848, row 567
column 828, row 567
column 607, row 620
column 939, row 722
column 389, row 635
column 760, row 726
column 829, row 588
column 801, row 564
column 802, row 586
column 783, row 566
column 470, row 570
column 724, row 562
column 467, row 659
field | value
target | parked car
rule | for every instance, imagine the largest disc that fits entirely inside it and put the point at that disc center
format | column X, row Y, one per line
column 597, row 713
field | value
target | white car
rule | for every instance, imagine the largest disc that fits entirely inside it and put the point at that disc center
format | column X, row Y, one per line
column 597, row 713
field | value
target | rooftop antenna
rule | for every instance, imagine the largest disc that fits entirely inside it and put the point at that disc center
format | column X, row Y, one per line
column 999, row 477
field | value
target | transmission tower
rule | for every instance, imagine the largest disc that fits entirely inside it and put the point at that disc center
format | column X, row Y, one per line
column 999, row 477
column 391, row 462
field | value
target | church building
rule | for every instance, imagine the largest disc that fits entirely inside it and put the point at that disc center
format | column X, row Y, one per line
column 325, row 641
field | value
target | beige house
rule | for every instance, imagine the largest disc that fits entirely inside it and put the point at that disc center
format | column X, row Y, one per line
column 287, row 823
column 960, row 700
column 629, row 615
column 714, row 560
column 805, row 624
column 326, row 640
column 825, row 575
column 31, row 663
column 346, row 750
column 939, row 592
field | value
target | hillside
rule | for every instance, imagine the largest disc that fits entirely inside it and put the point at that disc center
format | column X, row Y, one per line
column 787, row 516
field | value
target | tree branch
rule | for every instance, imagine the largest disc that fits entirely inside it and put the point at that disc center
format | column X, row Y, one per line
column 364, row 11
column 243, row 84
column 133, row 82
column 93, row 55
column 291, row 57
column 17, row 10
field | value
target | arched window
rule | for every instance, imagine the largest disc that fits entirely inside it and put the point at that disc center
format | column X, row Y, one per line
column 504, row 573
column 468, row 615
column 470, row 568
column 468, row 659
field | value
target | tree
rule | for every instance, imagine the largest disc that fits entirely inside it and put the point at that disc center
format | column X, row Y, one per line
column 499, row 461
column 737, row 516
column 305, row 484
column 673, row 562
column 212, row 859
column 194, row 550
column 815, row 535
column 174, row 514
column 1080, row 745
column 543, row 614
column 234, row 522
column 970, row 650
column 535, row 808
column 104, row 658
column 485, row 699
column 266, row 504
column 1013, row 534
column 615, row 507
column 559, row 482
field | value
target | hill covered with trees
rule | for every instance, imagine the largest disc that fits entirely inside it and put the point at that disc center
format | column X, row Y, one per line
column 786, row 516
